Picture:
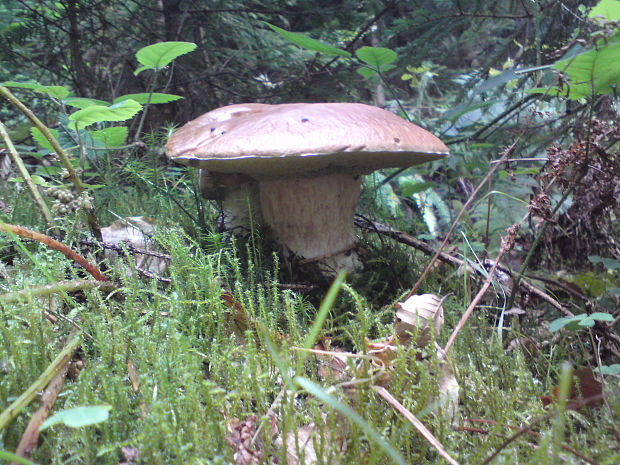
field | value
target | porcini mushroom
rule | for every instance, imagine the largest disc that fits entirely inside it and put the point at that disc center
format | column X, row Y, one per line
column 306, row 160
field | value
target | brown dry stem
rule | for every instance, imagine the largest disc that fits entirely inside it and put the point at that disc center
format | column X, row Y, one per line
column 56, row 245
column 30, row 437
column 505, row 156
column 48, row 375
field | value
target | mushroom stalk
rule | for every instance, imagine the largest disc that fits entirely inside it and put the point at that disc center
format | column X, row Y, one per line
column 313, row 217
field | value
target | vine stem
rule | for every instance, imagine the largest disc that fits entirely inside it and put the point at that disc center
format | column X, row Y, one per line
column 34, row 191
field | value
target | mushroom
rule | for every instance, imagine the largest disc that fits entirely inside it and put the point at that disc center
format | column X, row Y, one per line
column 300, row 166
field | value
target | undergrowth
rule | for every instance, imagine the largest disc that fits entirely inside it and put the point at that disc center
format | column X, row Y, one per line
column 177, row 368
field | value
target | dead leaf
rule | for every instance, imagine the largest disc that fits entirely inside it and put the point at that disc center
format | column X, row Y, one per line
column 136, row 232
column 248, row 445
column 416, row 316
column 584, row 387
column 300, row 444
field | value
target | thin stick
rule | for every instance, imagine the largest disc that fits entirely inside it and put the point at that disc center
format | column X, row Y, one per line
column 30, row 437
column 56, row 245
column 424, row 431
column 50, row 373
column 509, row 151
column 19, row 163
column 531, row 433
column 507, row 245
column 474, row 303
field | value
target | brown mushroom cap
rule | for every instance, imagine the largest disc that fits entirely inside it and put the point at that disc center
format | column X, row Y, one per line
column 274, row 140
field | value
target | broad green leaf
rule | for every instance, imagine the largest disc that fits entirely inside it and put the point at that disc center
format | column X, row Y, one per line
column 320, row 393
column 160, row 55
column 143, row 98
column 376, row 57
column 609, row 263
column 59, row 92
column 462, row 109
column 568, row 322
column 96, row 114
column 593, row 72
column 40, row 139
column 9, row 457
column 601, row 316
column 410, row 188
column 366, row 72
column 111, row 137
column 309, row 43
column 38, row 180
column 81, row 102
column 79, row 416
column 613, row 370
column 608, row 9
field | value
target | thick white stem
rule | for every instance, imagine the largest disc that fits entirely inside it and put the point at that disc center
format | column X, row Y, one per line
column 240, row 205
column 313, row 217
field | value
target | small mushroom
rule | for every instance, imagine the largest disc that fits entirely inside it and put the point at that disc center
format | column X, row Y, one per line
column 301, row 166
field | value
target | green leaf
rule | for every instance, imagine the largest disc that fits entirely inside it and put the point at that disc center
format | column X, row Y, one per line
column 96, row 114
column 326, row 305
column 79, row 416
column 410, row 188
column 613, row 370
column 160, row 55
column 568, row 322
column 608, row 9
column 593, row 72
column 58, row 92
column 376, row 57
column 143, row 98
column 35, row 179
column 40, row 139
column 10, row 457
column 320, row 393
column 601, row 316
column 309, row 43
column 609, row 263
column 455, row 113
column 366, row 72
column 111, row 137
column 81, row 102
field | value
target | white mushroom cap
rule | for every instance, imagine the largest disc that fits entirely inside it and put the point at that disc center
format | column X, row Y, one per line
column 278, row 140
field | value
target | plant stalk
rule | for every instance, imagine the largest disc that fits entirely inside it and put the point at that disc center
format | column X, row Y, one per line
column 19, row 163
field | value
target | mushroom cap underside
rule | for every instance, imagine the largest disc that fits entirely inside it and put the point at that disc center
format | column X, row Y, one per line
column 274, row 140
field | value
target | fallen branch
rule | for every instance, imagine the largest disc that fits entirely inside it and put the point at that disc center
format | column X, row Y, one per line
column 409, row 240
